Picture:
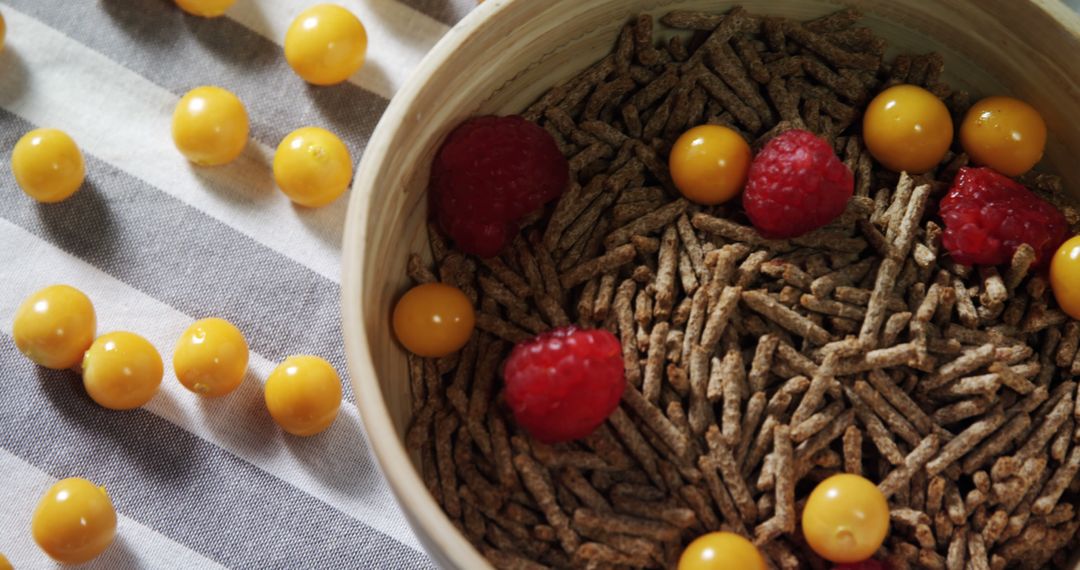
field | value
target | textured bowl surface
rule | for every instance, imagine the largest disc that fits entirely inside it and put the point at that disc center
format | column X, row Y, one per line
column 508, row 52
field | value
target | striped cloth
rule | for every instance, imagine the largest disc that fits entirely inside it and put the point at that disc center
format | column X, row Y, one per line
column 157, row 243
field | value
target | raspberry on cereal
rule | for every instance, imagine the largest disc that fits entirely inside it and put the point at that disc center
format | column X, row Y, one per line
column 796, row 185
column 988, row 215
column 563, row 384
column 489, row 173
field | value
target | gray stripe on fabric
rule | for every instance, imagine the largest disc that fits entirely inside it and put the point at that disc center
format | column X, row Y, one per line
column 446, row 11
column 179, row 52
column 184, row 487
column 182, row 257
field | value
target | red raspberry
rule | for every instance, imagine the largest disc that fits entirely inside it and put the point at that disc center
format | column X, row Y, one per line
column 564, row 383
column 987, row 215
column 489, row 173
column 796, row 185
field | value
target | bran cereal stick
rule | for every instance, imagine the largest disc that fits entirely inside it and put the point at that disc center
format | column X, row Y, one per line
column 896, row 420
column 755, row 411
column 486, row 371
column 962, row 410
column 788, row 272
column 724, row 266
column 497, row 291
column 586, row 306
column 718, row 317
column 591, row 76
column 730, row 230
column 605, row 293
column 456, row 392
column 643, row 305
column 1022, row 260
column 750, row 268
column 787, row 354
column 984, row 385
column 718, row 90
column 690, row 20
column 1067, row 348
column 853, row 450
column 625, row 318
column 784, row 465
column 830, row 307
column 581, row 488
column 829, row 51
column 805, row 451
column 877, row 431
column 648, row 223
column 894, row 325
column 728, row 511
column 1061, row 442
column 699, row 503
column 876, row 306
column 569, row 206
column 760, row 446
column 646, row 52
column 636, row 445
column 751, row 59
column 692, row 246
column 514, row 282
column 816, row 422
column 700, row 414
column 1056, row 485
column 902, row 402
column 654, row 364
column 725, row 62
column 734, row 391
column 815, row 394
column 416, row 382
column 965, row 441
column 445, row 426
column 965, row 309
column 783, row 99
column 771, row 309
column 913, row 462
column 611, row 260
column 598, row 554
column 1052, row 422
column 589, row 520
column 539, row 486
column 680, row 517
column 762, row 362
column 500, row 328
column 970, row 361
column 687, row 277
column 653, row 417
column 695, row 322
column 665, row 276
column 503, row 456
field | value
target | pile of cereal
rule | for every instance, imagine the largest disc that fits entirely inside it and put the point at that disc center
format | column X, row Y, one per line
column 756, row 368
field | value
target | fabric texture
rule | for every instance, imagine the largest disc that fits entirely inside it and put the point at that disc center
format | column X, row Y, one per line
column 157, row 243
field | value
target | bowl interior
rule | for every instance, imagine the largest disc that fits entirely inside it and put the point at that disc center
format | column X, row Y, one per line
column 508, row 52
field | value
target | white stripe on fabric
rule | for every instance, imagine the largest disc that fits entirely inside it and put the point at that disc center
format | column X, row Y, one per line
column 238, row 423
column 398, row 36
column 135, row 546
column 126, row 121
